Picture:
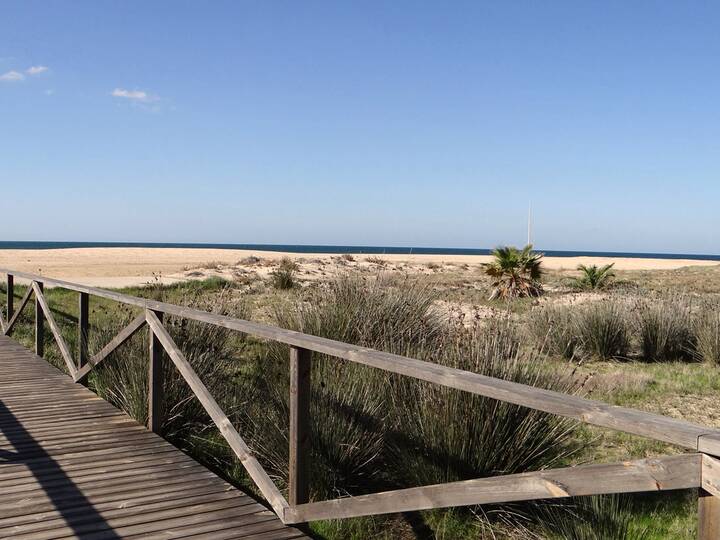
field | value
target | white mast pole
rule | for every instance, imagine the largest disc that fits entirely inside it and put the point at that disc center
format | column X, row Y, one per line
column 529, row 240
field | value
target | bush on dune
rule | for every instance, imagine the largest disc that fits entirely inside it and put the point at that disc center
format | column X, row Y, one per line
column 604, row 329
column 665, row 327
column 707, row 332
column 553, row 329
column 283, row 277
column 594, row 277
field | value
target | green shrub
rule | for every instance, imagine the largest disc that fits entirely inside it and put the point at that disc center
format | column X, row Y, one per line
column 283, row 277
column 593, row 277
column 604, row 329
column 707, row 332
column 665, row 327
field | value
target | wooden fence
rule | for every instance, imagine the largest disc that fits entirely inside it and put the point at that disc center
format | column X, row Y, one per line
column 698, row 469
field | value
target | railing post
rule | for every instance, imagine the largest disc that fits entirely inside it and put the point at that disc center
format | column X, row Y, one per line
column 10, row 296
column 83, row 326
column 708, row 516
column 39, row 326
column 155, row 380
column 300, row 369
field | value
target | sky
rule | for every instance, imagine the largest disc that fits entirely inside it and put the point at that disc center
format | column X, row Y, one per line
column 403, row 123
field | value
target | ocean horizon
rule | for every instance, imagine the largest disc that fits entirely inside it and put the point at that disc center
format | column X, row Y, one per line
column 332, row 249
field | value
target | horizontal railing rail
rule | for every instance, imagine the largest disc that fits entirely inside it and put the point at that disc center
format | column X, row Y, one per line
column 695, row 470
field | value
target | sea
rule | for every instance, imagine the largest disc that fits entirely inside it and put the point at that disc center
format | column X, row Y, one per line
column 368, row 250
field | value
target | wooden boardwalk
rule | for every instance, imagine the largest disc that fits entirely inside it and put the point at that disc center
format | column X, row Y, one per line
column 73, row 466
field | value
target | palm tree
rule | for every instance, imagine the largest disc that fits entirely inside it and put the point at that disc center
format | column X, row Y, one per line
column 516, row 272
column 594, row 276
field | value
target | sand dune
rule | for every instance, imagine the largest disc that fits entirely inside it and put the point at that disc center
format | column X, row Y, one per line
column 119, row 267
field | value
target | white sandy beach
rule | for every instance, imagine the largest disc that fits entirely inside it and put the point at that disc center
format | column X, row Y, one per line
column 120, row 267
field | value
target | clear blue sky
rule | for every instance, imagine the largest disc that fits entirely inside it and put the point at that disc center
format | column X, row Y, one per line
column 376, row 123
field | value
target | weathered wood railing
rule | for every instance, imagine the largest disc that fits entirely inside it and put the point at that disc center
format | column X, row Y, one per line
column 697, row 470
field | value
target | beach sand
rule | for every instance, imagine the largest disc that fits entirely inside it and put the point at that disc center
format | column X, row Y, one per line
column 122, row 267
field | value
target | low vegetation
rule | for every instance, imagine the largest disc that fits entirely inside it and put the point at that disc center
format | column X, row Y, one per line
column 650, row 349
column 707, row 334
column 603, row 329
column 554, row 330
column 665, row 326
column 283, row 277
column 594, row 277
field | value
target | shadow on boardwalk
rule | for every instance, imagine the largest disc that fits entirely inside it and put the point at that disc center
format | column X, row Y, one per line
column 77, row 511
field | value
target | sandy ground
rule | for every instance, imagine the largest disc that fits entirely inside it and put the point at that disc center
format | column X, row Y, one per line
column 120, row 267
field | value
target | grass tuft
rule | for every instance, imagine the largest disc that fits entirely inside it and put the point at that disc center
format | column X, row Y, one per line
column 604, row 329
column 283, row 277
column 665, row 327
column 707, row 332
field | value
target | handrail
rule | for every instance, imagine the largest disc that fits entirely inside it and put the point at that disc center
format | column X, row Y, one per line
column 644, row 475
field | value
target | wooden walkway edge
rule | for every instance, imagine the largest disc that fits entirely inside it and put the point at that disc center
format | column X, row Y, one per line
column 73, row 466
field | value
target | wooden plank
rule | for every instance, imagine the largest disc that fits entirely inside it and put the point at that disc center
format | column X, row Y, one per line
column 83, row 486
column 70, row 425
column 58, row 450
column 16, row 314
column 247, row 526
column 142, row 524
column 150, row 495
column 102, row 492
column 64, row 350
column 299, row 436
column 57, row 436
column 228, row 431
column 39, row 326
column 150, row 504
column 155, row 379
column 174, row 461
column 708, row 516
column 42, row 464
column 235, row 533
column 83, row 330
column 156, row 507
column 597, row 413
column 10, row 292
column 709, row 444
column 125, row 334
column 711, row 475
column 672, row 472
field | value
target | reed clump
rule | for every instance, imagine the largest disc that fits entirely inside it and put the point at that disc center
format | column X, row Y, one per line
column 707, row 333
column 554, row 330
column 665, row 328
column 600, row 517
column 604, row 328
